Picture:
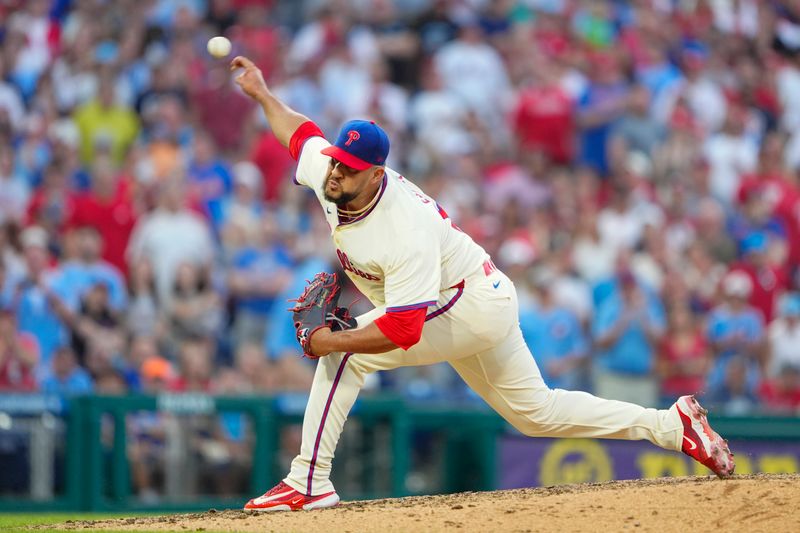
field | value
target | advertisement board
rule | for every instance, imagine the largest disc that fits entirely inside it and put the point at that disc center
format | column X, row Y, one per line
column 529, row 462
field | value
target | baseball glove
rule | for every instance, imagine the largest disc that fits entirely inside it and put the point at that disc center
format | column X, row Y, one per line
column 317, row 308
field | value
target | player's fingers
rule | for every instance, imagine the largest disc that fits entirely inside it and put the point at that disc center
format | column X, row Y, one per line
column 241, row 62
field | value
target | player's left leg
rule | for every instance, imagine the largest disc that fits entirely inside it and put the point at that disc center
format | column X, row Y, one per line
column 506, row 376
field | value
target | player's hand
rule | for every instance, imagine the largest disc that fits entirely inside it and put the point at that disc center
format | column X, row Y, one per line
column 250, row 80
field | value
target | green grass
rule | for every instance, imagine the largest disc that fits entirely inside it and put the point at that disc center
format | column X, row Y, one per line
column 17, row 522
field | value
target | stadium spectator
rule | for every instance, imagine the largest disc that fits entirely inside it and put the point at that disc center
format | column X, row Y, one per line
column 196, row 367
column 65, row 377
column 627, row 330
column 733, row 395
column 97, row 334
column 194, row 310
column 730, row 154
column 170, row 235
column 148, row 433
column 556, row 339
column 19, row 355
column 12, row 267
column 781, row 394
column 84, row 268
column 272, row 162
column 260, row 271
column 253, row 371
column 472, row 70
column 221, row 109
column 783, row 336
column 636, row 130
column 712, row 236
column 14, row 188
column 244, row 207
column 139, row 349
column 209, row 179
column 144, row 316
column 41, row 299
column 735, row 331
column 543, row 114
column 104, row 123
column 53, row 203
column 602, row 103
column 684, row 356
column 767, row 280
column 110, row 207
column 756, row 216
column 593, row 256
column 439, row 120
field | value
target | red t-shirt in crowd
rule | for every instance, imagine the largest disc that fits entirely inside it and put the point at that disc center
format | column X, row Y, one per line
column 14, row 374
column 113, row 218
column 222, row 112
column 50, row 208
column 777, row 398
column 274, row 161
column 783, row 197
column 788, row 210
column 543, row 121
column 768, row 283
column 672, row 352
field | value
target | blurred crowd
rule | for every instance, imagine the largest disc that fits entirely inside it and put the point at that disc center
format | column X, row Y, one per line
column 633, row 166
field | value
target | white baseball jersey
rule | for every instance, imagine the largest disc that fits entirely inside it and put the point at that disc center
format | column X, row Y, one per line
column 402, row 251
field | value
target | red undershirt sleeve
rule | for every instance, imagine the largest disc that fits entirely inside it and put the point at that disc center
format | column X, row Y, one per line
column 305, row 131
column 404, row 328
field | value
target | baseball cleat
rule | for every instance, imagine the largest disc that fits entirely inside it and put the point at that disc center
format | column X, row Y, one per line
column 282, row 497
column 702, row 443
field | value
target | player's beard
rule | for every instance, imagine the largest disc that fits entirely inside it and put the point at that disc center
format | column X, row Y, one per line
column 342, row 199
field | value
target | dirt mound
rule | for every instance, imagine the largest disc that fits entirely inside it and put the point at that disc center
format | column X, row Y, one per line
column 743, row 503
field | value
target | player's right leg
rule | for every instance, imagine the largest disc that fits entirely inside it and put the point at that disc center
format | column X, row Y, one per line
column 338, row 380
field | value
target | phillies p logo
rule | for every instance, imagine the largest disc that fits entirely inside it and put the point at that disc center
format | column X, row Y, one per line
column 352, row 135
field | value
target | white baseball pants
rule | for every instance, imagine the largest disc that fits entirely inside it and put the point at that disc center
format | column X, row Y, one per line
column 476, row 330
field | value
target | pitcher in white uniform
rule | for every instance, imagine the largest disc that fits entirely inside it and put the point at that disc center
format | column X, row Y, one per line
column 437, row 297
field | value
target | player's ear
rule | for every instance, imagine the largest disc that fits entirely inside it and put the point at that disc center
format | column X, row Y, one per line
column 377, row 174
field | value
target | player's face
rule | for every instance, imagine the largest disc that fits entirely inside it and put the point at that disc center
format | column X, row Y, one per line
column 344, row 184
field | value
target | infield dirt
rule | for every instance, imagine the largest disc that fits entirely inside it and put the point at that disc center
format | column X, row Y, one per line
column 769, row 503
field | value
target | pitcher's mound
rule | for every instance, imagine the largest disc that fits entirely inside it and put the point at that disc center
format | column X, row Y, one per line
column 744, row 503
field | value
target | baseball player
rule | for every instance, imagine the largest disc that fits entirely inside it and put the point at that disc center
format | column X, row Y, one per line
column 438, row 297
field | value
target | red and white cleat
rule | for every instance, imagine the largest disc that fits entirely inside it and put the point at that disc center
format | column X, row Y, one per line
column 282, row 497
column 702, row 443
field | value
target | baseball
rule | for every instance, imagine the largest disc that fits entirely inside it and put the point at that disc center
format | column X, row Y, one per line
column 219, row 46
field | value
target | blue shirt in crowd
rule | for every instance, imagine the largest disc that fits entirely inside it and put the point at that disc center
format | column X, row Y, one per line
column 632, row 352
column 76, row 383
column 211, row 183
column 722, row 323
column 593, row 139
column 78, row 278
column 262, row 262
column 36, row 316
column 553, row 334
